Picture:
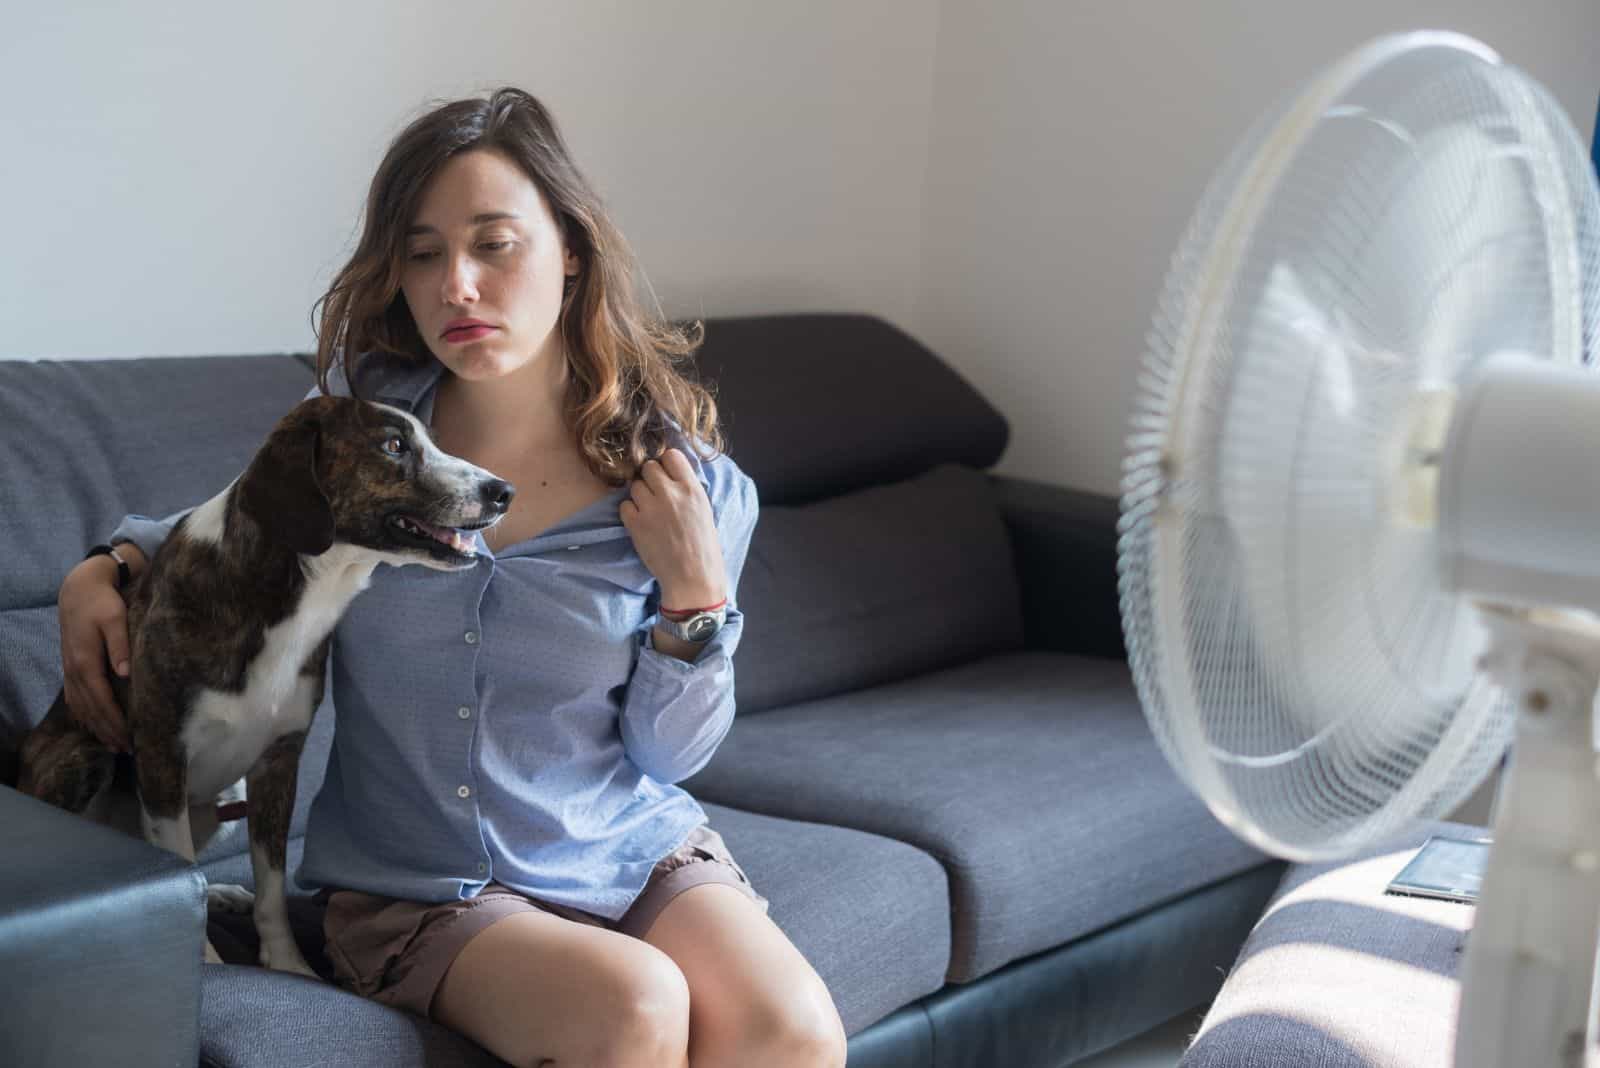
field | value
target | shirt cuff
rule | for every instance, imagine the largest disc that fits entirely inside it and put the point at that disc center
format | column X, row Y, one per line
column 721, row 644
column 144, row 532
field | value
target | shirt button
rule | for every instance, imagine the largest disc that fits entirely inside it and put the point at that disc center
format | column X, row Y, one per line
column 482, row 867
column 472, row 637
column 463, row 792
column 464, row 712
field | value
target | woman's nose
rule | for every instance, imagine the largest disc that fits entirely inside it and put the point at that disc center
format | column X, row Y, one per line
column 460, row 281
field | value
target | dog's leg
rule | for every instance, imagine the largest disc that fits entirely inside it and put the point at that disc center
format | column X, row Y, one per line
column 163, row 775
column 220, row 897
column 271, row 786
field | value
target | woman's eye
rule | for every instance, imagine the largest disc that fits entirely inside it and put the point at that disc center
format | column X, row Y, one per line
column 496, row 246
column 420, row 255
column 395, row 446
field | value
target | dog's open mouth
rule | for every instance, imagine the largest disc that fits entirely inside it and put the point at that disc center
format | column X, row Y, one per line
column 426, row 535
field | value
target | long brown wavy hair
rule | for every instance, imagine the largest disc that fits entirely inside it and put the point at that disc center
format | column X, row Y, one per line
column 630, row 371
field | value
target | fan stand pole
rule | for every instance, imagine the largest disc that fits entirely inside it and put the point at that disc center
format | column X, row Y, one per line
column 1527, row 991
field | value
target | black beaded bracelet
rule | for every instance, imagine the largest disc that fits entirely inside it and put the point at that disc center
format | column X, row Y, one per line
column 124, row 576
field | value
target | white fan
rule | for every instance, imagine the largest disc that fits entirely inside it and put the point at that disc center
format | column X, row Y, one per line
column 1360, row 535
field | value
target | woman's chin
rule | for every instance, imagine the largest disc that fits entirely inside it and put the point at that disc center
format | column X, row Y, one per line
column 475, row 364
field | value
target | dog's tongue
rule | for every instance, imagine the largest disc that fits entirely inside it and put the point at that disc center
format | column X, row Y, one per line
column 449, row 537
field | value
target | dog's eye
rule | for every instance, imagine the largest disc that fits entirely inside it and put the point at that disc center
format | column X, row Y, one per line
column 396, row 446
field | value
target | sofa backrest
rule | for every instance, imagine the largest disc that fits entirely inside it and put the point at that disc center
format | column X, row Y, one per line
column 84, row 443
column 820, row 405
column 879, row 554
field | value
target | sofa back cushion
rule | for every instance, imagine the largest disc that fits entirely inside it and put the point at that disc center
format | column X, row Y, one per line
column 874, row 586
column 818, row 405
column 88, row 442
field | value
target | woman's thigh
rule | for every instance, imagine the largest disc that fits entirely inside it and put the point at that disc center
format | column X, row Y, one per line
column 534, row 986
column 753, row 997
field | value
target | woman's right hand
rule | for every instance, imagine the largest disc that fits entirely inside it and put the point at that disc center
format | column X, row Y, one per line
column 94, row 636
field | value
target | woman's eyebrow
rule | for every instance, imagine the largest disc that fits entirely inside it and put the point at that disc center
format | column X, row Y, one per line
column 481, row 217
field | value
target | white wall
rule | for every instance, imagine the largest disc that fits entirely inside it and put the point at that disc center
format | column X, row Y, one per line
column 1004, row 178
column 1070, row 144
column 184, row 178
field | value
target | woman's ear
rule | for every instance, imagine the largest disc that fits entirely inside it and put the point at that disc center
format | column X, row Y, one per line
column 279, row 489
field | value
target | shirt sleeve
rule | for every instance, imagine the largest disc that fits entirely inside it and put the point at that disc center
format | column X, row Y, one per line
column 149, row 534
column 677, row 712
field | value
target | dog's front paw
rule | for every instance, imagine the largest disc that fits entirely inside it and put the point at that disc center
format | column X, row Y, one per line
column 284, row 956
column 229, row 897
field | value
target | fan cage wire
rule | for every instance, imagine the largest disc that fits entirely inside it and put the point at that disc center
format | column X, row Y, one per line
column 1298, row 663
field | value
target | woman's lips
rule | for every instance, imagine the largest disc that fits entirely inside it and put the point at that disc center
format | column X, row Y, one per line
column 466, row 333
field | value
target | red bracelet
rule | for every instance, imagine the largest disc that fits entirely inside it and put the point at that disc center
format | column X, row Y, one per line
column 671, row 613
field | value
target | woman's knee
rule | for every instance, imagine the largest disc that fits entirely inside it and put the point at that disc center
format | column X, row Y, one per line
column 803, row 1030
column 647, row 1017
column 534, row 989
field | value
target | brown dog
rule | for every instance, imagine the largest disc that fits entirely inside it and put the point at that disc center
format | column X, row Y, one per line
column 229, row 631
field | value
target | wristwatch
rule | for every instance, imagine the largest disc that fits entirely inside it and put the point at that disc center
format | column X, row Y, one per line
column 123, row 574
column 696, row 628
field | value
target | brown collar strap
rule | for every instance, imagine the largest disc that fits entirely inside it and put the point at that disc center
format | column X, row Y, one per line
column 233, row 810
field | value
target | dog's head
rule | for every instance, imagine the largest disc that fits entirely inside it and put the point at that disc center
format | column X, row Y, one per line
column 336, row 469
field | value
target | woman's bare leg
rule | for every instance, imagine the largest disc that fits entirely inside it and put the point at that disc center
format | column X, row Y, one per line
column 535, row 989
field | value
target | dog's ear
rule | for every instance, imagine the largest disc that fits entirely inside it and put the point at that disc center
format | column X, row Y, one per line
column 279, row 490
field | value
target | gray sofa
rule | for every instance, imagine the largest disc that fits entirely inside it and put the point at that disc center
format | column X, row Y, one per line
column 939, row 774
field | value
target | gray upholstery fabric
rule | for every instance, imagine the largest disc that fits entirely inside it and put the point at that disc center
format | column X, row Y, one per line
column 99, row 944
column 30, row 650
column 233, row 866
column 819, row 405
column 88, row 442
column 1338, row 974
column 873, row 586
column 254, row 1018
column 1033, row 777
column 867, row 912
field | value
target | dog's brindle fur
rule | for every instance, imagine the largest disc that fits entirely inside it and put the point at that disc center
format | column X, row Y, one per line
column 229, row 630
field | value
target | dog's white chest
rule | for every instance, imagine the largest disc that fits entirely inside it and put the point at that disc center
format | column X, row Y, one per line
column 226, row 733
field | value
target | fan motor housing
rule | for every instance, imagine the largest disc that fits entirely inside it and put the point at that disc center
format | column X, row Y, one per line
column 1519, row 506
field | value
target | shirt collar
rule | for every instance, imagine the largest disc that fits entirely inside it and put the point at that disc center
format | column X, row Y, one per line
column 406, row 385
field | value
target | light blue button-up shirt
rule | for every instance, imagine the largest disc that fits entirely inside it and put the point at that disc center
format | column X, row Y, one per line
column 513, row 721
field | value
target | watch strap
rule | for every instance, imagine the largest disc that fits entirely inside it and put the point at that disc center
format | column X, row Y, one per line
column 124, row 575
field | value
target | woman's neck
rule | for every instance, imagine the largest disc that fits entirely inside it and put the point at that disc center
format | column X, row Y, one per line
column 505, row 417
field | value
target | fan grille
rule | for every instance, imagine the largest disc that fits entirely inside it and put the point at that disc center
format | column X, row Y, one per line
column 1298, row 660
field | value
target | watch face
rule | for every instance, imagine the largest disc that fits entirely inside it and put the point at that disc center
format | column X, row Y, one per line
column 702, row 627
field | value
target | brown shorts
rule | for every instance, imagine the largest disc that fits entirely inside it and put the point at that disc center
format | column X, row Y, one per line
column 397, row 952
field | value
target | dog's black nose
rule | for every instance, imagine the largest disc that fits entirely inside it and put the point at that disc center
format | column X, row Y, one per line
column 497, row 494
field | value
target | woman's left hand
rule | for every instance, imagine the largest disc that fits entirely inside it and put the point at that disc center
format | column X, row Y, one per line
column 668, row 515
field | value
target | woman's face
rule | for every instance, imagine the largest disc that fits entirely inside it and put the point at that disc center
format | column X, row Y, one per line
column 485, row 247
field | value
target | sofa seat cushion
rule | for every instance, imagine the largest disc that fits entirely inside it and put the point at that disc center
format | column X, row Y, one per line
column 1339, row 974
column 869, row 913
column 873, row 586
column 250, row 1016
column 1032, row 776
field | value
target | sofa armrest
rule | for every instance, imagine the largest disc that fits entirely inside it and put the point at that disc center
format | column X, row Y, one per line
column 101, row 939
column 1064, row 543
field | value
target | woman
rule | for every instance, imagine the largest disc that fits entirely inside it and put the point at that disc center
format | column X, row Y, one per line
column 497, row 838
